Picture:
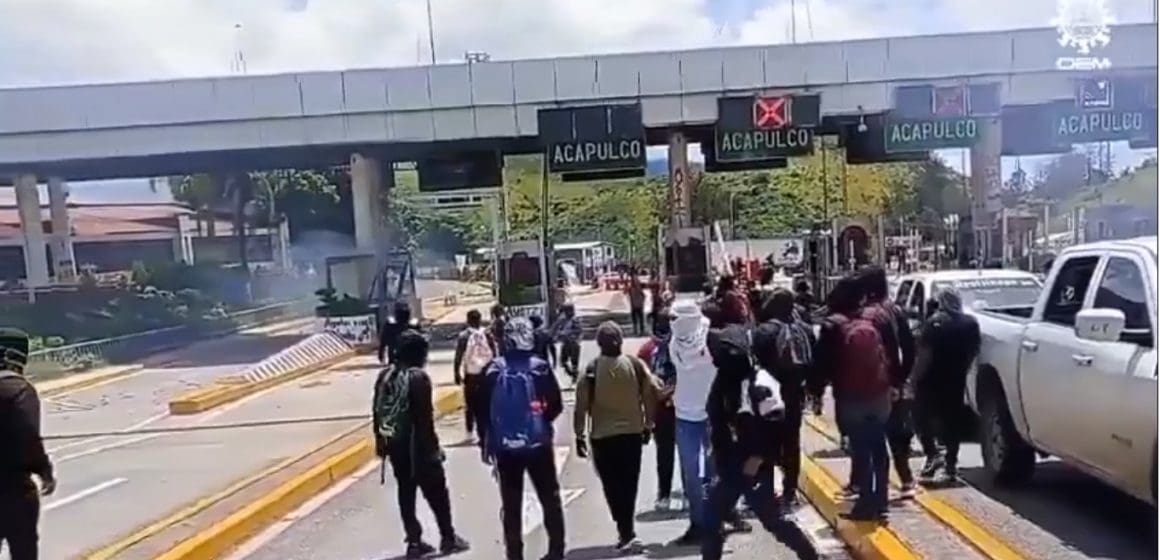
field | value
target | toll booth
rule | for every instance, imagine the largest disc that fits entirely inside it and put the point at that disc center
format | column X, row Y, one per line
column 520, row 277
column 380, row 281
column 686, row 257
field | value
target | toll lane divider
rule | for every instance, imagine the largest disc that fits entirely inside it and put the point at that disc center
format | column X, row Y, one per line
column 866, row 540
column 970, row 531
column 223, row 536
column 315, row 353
column 77, row 382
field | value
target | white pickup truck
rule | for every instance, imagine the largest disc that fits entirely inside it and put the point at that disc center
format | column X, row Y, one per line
column 1075, row 377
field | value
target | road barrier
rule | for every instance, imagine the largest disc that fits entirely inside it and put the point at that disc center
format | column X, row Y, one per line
column 315, row 353
column 55, row 362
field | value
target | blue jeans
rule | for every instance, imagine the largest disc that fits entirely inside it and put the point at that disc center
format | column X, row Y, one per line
column 692, row 452
column 866, row 423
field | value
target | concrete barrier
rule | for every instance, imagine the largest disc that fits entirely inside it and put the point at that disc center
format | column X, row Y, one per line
column 315, row 353
column 219, row 539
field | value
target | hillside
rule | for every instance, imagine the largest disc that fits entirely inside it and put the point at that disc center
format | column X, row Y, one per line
column 1137, row 188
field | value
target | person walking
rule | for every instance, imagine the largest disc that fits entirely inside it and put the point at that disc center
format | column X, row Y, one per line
column 474, row 350
column 948, row 344
column 783, row 346
column 851, row 350
column 689, row 354
column 616, row 397
column 404, row 432
column 523, row 401
column 636, row 297
column 22, row 456
column 891, row 320
column 399, row 321
column 733, row 303
column 545, row 347
column 655, row 352
column 568, row 331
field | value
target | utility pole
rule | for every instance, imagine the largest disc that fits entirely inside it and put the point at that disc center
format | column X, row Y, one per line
column 431, row 32
column 793, row 21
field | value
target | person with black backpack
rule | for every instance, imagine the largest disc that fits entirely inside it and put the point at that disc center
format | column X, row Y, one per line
column 22, row 455
column 404, row 431
column 524, row 400
column 783, row 346
column 746, row 420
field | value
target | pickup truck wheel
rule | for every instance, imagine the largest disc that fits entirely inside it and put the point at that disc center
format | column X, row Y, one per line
column 1008, row 458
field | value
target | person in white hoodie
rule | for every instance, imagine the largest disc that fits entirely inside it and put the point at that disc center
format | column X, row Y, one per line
column 689, row 352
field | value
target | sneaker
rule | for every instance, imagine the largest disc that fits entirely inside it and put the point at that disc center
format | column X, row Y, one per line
column 691, row 537
column 951, row 473
column 849, row 492
column 453, row 545
column 419, row 549
column 908, row 491
column 663, row 504
column 678, row 504
column 790, row 502
column 739, row 525
column 631, row 544
column 931, row 467
column 867, row 514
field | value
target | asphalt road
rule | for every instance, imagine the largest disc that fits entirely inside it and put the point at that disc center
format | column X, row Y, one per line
column 1061, row 514
column 358, row 519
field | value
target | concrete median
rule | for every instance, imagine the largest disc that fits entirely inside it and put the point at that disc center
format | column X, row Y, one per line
column 316, row 353
column 221, row 536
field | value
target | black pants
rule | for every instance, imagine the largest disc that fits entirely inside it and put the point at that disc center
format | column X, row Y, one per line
column 541, row 468
column 637, row 319
column 899, row 434
column 19, row 515
column 940, row 421
column 665, row 438
column 431, row 480
column 474, row 410
column 791, row 439
column 617, row 460
column 570, row 357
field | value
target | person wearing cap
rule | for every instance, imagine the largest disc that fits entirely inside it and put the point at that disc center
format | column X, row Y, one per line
column 615, row 403
column 22, row 455
column 516, row 449
column 414, row 451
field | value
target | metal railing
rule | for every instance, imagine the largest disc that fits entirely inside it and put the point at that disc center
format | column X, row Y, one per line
column 53, row 362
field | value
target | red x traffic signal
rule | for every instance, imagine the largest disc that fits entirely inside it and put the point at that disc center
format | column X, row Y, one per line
column 770, row 112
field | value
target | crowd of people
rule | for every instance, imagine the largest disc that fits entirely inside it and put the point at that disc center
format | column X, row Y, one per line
column 720, row 389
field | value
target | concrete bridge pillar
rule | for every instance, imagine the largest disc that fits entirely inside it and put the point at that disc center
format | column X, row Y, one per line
column 63, row 257
column 986, row 182
column 35, row 253
column 680, row 183
column 367, row 181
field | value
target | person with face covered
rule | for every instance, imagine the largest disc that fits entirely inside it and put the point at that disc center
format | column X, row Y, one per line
column 616, row 403
column 399, row 321
column 655, row 353
column 520, row 436
column 746, row 414
column 947, row 345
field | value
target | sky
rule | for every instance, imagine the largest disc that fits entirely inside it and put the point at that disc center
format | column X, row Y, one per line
column 85, row 41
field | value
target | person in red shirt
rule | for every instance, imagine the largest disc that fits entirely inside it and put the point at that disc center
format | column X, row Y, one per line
column 734, row 305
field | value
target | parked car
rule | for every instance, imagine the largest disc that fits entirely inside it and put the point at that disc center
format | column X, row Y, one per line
column 1004, row 291
column 1076, row 377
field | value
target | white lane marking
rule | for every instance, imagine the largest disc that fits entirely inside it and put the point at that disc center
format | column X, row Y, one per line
column 532, row 513
column 259, row 541
column 85, row 493
column 136, row 426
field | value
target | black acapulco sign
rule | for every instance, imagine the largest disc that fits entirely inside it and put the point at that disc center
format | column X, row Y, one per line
column 593, row 138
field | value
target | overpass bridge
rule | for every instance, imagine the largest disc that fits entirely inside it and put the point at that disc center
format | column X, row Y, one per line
column 368, row 116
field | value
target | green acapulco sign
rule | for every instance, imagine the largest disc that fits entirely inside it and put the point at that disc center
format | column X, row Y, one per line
column 1100, row 126
column 921, row 135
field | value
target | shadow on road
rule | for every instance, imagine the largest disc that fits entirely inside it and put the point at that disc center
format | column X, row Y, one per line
column 230, row 350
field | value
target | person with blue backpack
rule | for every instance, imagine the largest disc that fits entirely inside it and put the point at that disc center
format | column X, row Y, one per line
column 524, row 399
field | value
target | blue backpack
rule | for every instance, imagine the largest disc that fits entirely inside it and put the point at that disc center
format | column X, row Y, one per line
column 517, row 411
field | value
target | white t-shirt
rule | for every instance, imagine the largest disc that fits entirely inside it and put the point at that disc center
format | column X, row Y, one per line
column 695, row 370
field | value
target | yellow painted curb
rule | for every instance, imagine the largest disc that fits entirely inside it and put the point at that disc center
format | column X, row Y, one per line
column 213, row 396
column 72, row 383
column 216, row 541
column 987, row 543
column 867, row 540
column 111, row 551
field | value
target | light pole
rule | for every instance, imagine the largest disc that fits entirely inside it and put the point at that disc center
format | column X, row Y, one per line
column 733, row 215
column 431, row 32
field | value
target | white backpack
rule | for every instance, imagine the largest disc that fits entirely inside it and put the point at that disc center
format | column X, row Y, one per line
column 478, row 352
column 762, row 397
